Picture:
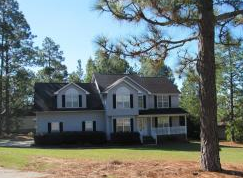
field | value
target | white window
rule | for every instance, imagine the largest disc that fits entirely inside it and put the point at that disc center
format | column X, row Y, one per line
column 88, row 125
column 163, row 101
column 72, row 98
column 55, row 126
column 123, row 98
column 123, row 125
column 140, row 101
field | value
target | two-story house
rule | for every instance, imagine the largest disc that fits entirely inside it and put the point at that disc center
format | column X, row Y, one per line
column 111, row 103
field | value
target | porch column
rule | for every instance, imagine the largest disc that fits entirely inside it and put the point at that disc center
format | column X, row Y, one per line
column 185, row 126
column 170, row 124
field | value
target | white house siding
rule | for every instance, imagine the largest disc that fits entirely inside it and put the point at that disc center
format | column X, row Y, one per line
column 72, row 121
column 121, row 112
column 174, row 101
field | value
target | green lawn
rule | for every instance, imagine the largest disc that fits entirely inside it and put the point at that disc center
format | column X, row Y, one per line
column 21, row 157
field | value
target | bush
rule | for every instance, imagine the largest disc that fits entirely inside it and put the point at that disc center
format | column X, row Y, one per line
column 171, row 138
column 71, row 138
column 237, row 127
column 126, row 138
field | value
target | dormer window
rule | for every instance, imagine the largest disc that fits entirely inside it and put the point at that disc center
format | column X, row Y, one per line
column 72, row 98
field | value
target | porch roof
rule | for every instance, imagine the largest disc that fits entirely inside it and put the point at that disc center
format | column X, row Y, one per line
column 160, row 111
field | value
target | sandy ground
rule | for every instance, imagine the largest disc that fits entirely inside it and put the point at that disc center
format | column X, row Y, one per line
column 131, row 169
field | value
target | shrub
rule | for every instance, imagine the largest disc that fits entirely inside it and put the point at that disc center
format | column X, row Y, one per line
column 126, row 138
column 237, row 127
column 71, row 138
column 171, row 138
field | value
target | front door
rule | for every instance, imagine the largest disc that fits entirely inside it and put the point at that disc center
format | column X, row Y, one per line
column 142, row 124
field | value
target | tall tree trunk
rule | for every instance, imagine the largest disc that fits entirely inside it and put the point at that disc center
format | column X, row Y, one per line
column 231, row 98
column 7, row 97
column 1, row 77
column 1, row 90
column 210, row 160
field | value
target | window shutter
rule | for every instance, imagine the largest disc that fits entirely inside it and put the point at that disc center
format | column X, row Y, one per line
column 182, row 121
column 169, row 101
column 55, row 102
column 49, row 127
column 155, row 101
column 61, row 126
column 63, row 101
column 156, row 122
column 131, row 101
column 114, row 101
column 80, row 101
column 170, row 120
column 144, row 101
column 131, row 122
column 114, row 125
column 94, row 125
column 83, row 126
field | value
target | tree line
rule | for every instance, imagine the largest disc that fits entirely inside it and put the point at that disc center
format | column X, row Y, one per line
column 229, row 86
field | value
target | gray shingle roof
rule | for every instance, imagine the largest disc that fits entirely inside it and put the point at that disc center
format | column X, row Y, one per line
column 152, row 84
column 44, row 99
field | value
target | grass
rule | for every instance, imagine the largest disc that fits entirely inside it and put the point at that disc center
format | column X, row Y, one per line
column 21, row 157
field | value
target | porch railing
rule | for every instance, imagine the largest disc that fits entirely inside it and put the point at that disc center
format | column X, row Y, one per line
column 169, row 130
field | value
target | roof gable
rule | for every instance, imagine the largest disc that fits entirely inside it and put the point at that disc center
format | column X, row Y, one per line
column 126, row 80
column 70, row 84
column 152, row 84
column 44, row 97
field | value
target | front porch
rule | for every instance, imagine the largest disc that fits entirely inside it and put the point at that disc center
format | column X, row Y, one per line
column 159, row 125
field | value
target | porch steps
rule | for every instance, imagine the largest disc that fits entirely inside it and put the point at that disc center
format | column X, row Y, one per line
column 147, row 140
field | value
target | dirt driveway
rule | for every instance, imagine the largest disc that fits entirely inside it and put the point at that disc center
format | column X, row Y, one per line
column 9, row 173
column 20, row 141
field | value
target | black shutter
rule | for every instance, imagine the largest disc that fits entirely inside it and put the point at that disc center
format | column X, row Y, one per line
column 83, row 126
column 131, row 101
column 156, row 122
column 114, row 125
column 182, row 120
column 94, row 125
column 61, row 126
column 55, row 102
column 169, row 101
column 155, row 101
column 131, row 122
column 144, row 101
column 80, row 101
column 63, row 101
column 49, row 127
column 114, row 101
column 170, row 120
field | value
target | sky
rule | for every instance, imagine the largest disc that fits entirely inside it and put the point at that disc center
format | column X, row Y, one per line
column 74, row 26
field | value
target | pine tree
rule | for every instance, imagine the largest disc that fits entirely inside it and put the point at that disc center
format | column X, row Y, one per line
column 16, row 51
column 51, row 58
column 201, row 18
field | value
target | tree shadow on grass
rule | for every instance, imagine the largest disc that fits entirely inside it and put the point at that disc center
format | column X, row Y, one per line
column 232, row 172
